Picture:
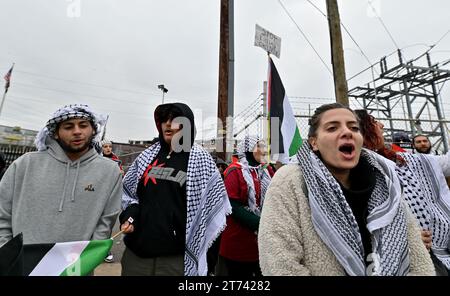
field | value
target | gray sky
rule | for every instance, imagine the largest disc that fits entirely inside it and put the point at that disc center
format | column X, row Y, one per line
column 112, row 54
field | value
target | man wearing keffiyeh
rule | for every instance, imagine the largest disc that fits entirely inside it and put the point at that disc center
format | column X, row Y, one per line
column 176, row 199
column 65, row 191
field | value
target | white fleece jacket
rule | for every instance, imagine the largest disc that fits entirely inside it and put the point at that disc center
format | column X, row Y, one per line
column 289, row 244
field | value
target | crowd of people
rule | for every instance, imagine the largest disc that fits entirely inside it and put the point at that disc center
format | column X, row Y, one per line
column 346, row 204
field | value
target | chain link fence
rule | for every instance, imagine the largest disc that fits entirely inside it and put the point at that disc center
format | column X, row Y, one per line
column 12, row 152
column 253, row 123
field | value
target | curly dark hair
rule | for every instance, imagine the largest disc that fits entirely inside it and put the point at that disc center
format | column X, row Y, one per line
column 367, row 124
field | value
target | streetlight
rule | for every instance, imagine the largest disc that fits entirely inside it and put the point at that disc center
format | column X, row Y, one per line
column 164, row 90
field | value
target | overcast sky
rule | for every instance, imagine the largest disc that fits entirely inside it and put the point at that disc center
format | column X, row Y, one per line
column 112, row 54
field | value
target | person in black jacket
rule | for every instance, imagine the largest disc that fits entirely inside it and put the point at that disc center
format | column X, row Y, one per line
column 174, row 201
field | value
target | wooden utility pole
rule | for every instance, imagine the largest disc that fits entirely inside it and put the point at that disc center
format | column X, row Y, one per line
column 226, row 80
column 337, row 53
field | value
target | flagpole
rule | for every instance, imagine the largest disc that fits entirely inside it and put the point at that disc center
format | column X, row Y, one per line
column 3, row 100
column 130, row 220
column 268, row 110
column 8, row 81
column 117, row 234
column 104, row 128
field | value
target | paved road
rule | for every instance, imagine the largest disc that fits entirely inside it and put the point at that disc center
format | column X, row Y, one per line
column 113, row 269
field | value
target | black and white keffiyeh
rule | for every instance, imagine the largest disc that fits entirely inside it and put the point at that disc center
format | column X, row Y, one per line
column 248, row 145
column 207, row 202
column 69, row 112
column 335, row 223
column 428, row 197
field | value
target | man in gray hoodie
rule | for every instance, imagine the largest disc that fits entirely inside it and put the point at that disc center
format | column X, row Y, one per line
column 65, row 191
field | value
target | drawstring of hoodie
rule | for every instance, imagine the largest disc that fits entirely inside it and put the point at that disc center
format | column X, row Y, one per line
column 75, row 182
column 61, row 203
column 72, row 197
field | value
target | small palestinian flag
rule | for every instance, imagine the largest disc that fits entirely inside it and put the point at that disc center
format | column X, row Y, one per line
column 65, row 259
column 59, row 259
column 11, row 257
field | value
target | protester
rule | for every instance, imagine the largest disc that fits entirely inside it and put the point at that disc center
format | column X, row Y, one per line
column 421, row 144
column 221, row 166
column 422, row 177
column 176, row 198
column 246, row 182
column 65, row 191
column 107, row 151
column 338, row 211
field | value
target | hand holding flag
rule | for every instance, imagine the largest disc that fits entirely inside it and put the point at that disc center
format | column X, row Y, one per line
column 126, row 227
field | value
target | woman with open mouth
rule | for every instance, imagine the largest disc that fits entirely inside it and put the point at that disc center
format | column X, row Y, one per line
column 338, row 211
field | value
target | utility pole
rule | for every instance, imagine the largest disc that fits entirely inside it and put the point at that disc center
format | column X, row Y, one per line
column 337, row 53
column 226, row 80
column 264, row 117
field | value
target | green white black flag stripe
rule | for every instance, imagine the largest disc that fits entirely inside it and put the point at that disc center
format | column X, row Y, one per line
column 287, row 136
column 65, row 259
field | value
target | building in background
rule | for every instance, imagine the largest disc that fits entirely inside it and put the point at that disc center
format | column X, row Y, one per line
column 15, row 135
column 15, row 141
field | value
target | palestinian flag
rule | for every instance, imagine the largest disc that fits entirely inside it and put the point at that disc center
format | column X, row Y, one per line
column 59, row 259
column 11, row 257
column 283, row 128
column 65, row 259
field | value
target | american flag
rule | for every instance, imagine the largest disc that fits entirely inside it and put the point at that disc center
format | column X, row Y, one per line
column 8, row 78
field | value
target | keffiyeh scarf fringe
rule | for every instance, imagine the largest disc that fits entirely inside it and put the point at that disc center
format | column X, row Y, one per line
column 428, row 197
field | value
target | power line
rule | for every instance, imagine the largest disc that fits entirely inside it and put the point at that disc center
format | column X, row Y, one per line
column 315, row 6
column 310, row 98
column 382, row 23
column 80, row 94
column 346, row 30
column 30, row 112
column 86, row 83
column 440, row 39
column 248, row 111
column 93, row 85
column 304, row 36
column 101, row 109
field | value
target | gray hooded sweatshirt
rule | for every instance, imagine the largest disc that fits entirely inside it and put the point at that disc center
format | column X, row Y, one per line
column 50, row 198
